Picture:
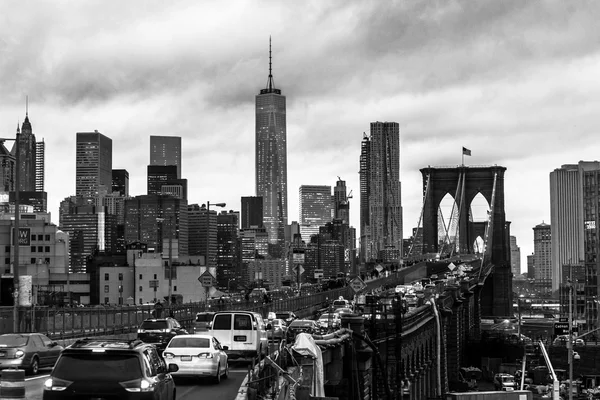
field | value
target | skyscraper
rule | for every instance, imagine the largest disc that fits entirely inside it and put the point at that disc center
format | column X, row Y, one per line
column 315, row 205
column 166, row 150
column 252, row 212
column 27, row 157
column 271, row 161
column 93, row 170
column 365, row 191
column 40, row 160
column 380, row 174
column 120, row 182
column 542, row 257
column 340, row 201
column 515, row 256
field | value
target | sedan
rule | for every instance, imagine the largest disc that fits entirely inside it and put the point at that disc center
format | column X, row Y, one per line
column 302, row 326
column 278, row 329
column 29, row 351
column 197, row 355
column 332, row 320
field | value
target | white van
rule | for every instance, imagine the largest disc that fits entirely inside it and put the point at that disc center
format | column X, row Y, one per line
column 243, row 332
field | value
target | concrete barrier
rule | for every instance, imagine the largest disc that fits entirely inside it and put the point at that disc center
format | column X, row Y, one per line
column 12, row 384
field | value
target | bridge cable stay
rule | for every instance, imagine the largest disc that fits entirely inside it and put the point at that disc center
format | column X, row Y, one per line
column 488, row 241
column 445, row 229
column 446, row 240
column 461, row 203
column 412, row 245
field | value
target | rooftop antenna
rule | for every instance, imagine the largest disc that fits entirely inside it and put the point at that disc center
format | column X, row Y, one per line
column 26, row 106
column 270, row 83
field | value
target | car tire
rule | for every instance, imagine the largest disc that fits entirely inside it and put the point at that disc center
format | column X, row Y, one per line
column 34, row 367
column 226, row 374
column 218, row 376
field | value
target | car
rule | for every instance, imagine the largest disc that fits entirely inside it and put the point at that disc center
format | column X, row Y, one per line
column 199, row 355
column 504, row 382
column 278, row 330
column 243, row 332
column 95, row 368
column 159, row 331
column 333, row 320
column 28, row 351
column 302, row 326
column 202, row 321
column 286, row 316
column 343, row 310
column 341, row 303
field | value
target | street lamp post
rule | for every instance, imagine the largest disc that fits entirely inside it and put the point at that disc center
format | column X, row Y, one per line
column 570, row 343
column 16, row 322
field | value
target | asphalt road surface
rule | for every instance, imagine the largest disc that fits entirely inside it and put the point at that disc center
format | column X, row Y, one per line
column 187, row 389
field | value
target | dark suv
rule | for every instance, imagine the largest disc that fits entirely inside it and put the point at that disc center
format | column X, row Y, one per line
column 159, row 331
column 110, row 369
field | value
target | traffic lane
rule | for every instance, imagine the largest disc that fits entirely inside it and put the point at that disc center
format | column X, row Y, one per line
column 34, row 385
column 196, row 388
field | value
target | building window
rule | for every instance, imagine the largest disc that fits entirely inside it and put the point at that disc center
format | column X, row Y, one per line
column 141, row 289
column 106, row 288
column 40, row 249
column 33, row 249
column 120, row 276
column 7, row 249
column 33, row 260
column 120, row 301
column 40, row 237
column 174, row 288
column 47, row 238
column 47, row 260
column 106, row 300
column 106, row 277
column 47, row 249
column 155, row 276
column 140, row 277
column 7, row 261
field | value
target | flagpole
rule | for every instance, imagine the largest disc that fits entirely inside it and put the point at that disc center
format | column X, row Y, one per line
column 463, row 157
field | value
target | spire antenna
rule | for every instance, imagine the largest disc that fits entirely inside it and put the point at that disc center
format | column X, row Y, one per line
column 270, row 84
column 26, row 106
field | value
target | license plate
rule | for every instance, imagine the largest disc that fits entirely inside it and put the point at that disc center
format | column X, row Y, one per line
column 186, row 358
column 239, row 338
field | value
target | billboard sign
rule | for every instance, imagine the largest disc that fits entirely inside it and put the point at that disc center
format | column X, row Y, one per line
column 298, row 258
column 24, row 236
column 3, row 197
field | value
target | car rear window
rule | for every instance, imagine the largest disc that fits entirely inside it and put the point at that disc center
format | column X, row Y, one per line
column 339, row 303
column 151, row 325
column 204, row 317
column 189, row 342
column 222, row 322
column 13, row 340
column 282, row 315
column 98, row 367
column 242, row 322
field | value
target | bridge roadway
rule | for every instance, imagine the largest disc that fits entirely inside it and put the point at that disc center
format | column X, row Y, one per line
column 303, row 307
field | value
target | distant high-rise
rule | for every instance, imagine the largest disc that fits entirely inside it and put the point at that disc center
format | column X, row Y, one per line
column 166, row 150
column 315, row 205
column 340, row 201
column 228, row 248
column 27, row 157
column 120, row 182
column 365, row 192
column 515, row 256
column 271, row 161
column 252, row 212
column 542, row 257
column 40, row 160
column 159, row 175
column 93, row 170
column 380, row 159
column 574, row 209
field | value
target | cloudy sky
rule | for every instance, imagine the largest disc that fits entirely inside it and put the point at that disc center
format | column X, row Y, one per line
column 516, row 82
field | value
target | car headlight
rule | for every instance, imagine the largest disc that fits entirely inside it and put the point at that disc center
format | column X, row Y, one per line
column 19, row 353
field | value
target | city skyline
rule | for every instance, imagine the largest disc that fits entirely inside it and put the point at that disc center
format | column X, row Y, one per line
column 512, row 82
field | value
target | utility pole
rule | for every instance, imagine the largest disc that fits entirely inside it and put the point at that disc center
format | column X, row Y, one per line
column 170, row 260
column 570, row 343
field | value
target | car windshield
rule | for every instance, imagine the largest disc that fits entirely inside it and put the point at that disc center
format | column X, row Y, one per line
column 98, row 367
column 152, row 325
column 13, row 340
column 283, row 315
column 341, row 303
column 177, row 342
column 328, row 316
column 301, row 323
column 204, row 317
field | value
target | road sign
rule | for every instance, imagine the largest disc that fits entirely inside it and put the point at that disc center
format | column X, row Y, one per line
column 357, row 284
column 298, row 269
column 563, row 319
column 379, row 268
column 561, row 328
column 206, row 279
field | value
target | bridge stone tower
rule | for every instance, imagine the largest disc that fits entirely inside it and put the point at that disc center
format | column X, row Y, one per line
column 463, row 183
